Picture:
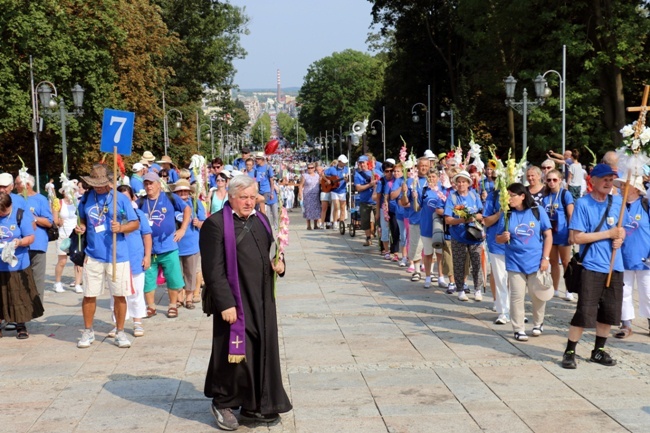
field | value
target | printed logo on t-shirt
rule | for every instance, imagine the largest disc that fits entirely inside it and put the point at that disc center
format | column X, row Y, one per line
column 6, row 233
column 157, row 217
column 632, row 225
column 95, row 216
column 524, row 232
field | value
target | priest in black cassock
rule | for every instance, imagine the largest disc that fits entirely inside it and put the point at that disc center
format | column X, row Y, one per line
column 244, row 368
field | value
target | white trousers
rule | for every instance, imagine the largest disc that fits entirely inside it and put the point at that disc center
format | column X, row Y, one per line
column 498, row 265
column 642, row 279
column 135, row 304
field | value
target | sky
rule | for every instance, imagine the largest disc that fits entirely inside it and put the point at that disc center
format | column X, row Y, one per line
column 292, row 34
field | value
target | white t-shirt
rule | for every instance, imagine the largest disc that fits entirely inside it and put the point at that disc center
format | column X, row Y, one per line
column 577, row 174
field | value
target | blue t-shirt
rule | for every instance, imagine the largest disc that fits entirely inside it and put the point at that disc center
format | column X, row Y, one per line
column 189, row 244
column 137, row 185
column 154, row 168
column 524, row 252
column 212, row 179
column 340, row 173
column 161, row 216
column 420, row 183
column 273, row 198
column 389, row 187
column 637, row 237
column 40, row 207
column 364, row 178
column 473, row 204
column 430, row 202
column 97, row 212
column 173, row 175
column 11, row 230
column 493, row 206
column 556, row 212
column 263, row 174
column 239, row 164
column 18, row 201
column 586, row 216
column 136, row 244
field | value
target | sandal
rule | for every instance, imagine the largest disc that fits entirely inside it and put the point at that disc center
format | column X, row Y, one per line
column 150, row 312
column 521, row 336
column 172, row 313
column 189, row 304
column 624, row 332
column 22, row 333
column 179, row 304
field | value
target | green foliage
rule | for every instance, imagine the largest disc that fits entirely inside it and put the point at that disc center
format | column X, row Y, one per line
column 261, row 130
column 287, row 126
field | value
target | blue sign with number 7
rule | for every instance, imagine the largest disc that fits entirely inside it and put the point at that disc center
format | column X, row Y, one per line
column 117, row 130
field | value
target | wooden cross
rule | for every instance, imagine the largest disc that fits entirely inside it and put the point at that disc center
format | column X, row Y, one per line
column 643, row 109
column 237, row 342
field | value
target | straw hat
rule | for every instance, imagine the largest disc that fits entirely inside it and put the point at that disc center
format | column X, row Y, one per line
column 98, row 177
column 182, row 185
column 148, row 156
column 462, row 174
column 165, row 160
column 637, row 183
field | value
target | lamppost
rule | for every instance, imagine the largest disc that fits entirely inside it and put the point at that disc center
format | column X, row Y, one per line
column 373, row 131
column 416, row 118
column 451, row 117
column 547, row 93
column 209, row 135
column 179, row 119
column 525, row 106
column 334, row 142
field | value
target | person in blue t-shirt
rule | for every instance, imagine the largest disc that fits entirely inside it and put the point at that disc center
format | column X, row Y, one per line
column 139, row 243
column 39, row 206
column 240, row 163
column 527, row 239
column 160, row 208
column 364, row 184
column 96, row 211
column 497, row 257
column 433, row 201
column 188, row 246
column 599, row 304
column 136, row 182
column 412, row 194
column 558, row 204
column 338, row 194
column 20, row 300
column 387, row 222
column 462, row 244
column 395, row 196
column 636, row 253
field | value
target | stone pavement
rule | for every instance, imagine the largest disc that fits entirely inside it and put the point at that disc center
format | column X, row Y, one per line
column 364, row 350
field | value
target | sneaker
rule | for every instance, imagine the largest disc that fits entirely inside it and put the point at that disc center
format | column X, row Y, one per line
column 403, row 262
column 556, row 294
column 569, row 296
column 387, row 256
column 478, row 296
column 395, row 258
column 72, row 284
column 466, row 288
column 256, row 416
column 451, row 289
column 122, row 341
column 602, row 357
column 138, row 330
column 58, row 288
column 462, row 296
column 416, row 276
column 112, row 333
column 225, row 419
column 427, row 282
column 569, row 360
column 442, row 283
column 501, row 320
column 538, row 330
column 87, row 338
column 78, row 289
column 411, row 269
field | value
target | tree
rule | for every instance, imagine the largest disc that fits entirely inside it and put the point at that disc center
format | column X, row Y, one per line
column 261, row 130
column 287, row 126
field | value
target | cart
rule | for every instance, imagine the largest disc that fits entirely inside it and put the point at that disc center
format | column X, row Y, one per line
column 354, row 223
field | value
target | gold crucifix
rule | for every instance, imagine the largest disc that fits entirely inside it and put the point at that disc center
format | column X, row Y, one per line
column 643, row 109
column 237, row 342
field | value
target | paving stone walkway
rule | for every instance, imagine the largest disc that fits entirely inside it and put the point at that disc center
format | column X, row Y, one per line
column 363, row 348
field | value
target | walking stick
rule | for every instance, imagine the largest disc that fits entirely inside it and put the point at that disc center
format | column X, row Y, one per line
column 619, row 225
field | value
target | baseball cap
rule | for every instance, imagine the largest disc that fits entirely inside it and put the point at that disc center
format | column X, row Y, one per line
column 152, row 176
column 362, row 158
column 245, row 150
column 602, row 170
column 137, row 167
column 429, row 154
column 390, row 161
column 343, row 159
column 6, row 179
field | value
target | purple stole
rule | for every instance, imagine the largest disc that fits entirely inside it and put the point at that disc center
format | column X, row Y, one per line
column 237, row 340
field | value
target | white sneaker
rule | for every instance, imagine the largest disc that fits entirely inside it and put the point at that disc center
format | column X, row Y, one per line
column 122, row 341
column 427, row 282
column 78, row 289
column 442, row 283
column 58, row 288
column 478, row 296
column 462, row 296
column 87, row 338
column 556, row 294
column 403, row 262
column 138, row 330
column 501, row 320
column 112, row 333
column 569, row 296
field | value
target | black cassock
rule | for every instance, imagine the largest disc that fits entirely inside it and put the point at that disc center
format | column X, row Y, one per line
column 254, row 384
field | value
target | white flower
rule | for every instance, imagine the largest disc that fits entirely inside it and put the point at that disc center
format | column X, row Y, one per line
column 645, row 135
column 627, row 130
column 635, row 144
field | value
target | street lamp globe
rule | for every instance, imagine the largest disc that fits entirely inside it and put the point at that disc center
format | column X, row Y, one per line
column 45, row 95
column 443, row 114
column 178, row 123
column 373, row 131
column 78, row 95
column 510, row 84
column 415, row 118
column 540, row 85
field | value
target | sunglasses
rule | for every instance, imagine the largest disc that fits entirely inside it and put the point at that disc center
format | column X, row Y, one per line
column 388, row 170
column 552, row 180
column 546, row 168
column 216, row 166
column 311, row 168
column 221, row 180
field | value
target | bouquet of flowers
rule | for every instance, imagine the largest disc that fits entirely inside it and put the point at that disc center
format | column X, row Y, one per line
column 282, row 239
column 633, row 155
column 23, row 175
column 197, row 163
column 466, row 213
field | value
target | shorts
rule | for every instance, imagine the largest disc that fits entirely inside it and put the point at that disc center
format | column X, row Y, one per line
column 191, row 267
column 325, row 196
column 415, row 243
column 171, row 265
column 365, row 209
column 427, row 245
column 338, row 196
column 98, row 275
column 597, row 303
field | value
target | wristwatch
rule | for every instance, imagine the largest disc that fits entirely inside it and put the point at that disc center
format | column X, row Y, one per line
column 546, row 258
